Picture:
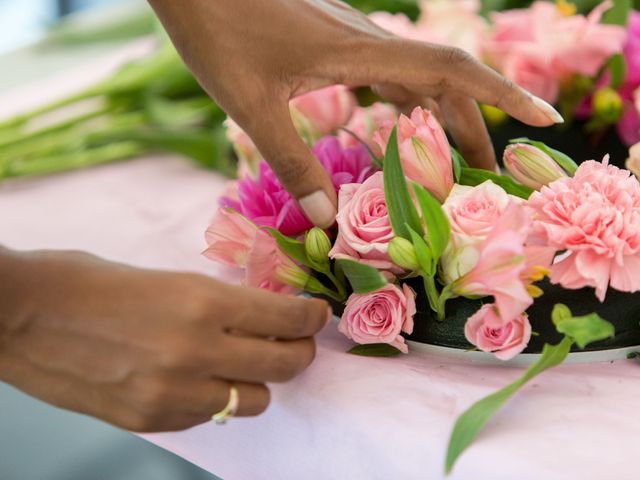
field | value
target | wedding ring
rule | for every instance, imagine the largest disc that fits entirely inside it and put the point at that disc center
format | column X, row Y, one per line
column 230, row 410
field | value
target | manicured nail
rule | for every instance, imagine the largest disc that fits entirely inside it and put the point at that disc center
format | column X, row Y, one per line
column 319, row 209
column 547, row 109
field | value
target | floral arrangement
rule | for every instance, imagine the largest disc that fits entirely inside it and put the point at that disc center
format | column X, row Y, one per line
column 415, row 221
column 589, row 66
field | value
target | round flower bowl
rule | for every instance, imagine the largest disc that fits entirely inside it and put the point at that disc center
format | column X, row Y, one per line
column 446, row 338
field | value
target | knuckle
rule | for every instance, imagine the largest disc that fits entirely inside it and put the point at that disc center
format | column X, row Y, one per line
column 179, row 354
column 300, row 322
column 285, row 365
column 452, row 55
column 506, row 88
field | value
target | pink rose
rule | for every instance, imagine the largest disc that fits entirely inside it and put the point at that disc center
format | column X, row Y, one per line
column 364, row 229
column 327, row 108
column 595, row 218
column 473, row 213
column 485, row 330
column 380, row 316
column 365, row 122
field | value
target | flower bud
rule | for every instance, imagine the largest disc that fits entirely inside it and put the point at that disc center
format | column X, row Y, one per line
column 317, row 245
column 531, row 166
column 291, row 274
column 402, row 253
column 607, row 105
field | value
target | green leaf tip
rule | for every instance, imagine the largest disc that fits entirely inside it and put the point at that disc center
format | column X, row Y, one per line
column 363, row 278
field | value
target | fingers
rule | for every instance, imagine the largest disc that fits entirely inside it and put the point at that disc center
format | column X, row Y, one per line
column 432, row 70
column 253, row 398
column 266, row 314
column 467, row 127
column 259, row 360
column 301, row 174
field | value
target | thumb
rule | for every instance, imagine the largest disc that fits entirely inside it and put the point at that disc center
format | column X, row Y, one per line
column 294, row 164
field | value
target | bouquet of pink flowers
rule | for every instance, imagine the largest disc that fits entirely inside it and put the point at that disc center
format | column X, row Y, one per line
column 417, row 226
column 586, row 65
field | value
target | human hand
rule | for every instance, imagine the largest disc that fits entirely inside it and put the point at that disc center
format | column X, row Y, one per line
column 253, row 56
column 141, row 349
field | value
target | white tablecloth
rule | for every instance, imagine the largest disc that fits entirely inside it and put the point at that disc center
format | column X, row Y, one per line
column 346, row 417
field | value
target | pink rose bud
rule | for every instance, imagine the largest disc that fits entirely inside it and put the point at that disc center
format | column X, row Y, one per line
column 327, row 108
column 633, row 162
column 531, row 166
column 364, row 124
column 317, row 245
column 425, row 152
column 486, row 330
column 380, row 316
column 403, row 253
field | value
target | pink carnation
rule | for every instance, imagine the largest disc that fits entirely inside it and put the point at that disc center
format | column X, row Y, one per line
column 489, row 333
column 380, row 316
column 364, row 228
column 267, row 203
column 595, row 218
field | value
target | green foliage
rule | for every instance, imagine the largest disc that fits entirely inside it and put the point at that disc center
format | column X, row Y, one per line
column 363, row 278
column 436, row 221
column 476, row 176
column 375, row 350
column 402, row 212
column 471, row 421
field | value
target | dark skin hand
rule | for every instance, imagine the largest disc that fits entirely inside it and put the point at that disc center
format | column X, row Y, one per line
column 253, row 56
column 156, row 351
column 141, row 349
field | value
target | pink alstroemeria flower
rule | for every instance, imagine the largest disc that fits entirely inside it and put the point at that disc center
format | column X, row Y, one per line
column 501, row 266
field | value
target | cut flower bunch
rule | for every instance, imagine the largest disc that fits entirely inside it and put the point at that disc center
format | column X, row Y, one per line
column 415, row 222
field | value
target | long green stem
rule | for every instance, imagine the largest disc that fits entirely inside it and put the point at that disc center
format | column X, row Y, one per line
column 342, row 291
column 431, row 291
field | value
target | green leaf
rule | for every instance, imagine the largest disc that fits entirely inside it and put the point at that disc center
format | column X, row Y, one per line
column 458, row 162
column 560, row 312
column 471, row 421
column 375, row 350
column 474, row 176
column 363, row 278
column 562, row 159
column 585, row 329
column 291, row 247
column 617, row 68
column 618, row 14
column 436, row 221
column 401, row 210
column 424, row 254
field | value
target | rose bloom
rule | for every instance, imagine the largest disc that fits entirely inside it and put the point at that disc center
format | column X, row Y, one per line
column 365, row 122
column 472, row 213
column 380, row 316
column 267, row 203
column 364, row 228
column 595, row 218
column 542, row 44
column 327, row 108
column 485, row 330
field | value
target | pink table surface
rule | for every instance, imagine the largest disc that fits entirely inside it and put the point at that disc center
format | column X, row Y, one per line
column 346, row 416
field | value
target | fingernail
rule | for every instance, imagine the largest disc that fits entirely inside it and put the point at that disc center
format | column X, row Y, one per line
column 329, row 315
column 319, row 209
column 547, row 109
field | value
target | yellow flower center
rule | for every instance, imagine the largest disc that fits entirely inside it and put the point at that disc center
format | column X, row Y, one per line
column 566, row 8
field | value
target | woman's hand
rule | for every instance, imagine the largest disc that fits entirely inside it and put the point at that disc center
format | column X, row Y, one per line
column 145, row 350
column 252, row 56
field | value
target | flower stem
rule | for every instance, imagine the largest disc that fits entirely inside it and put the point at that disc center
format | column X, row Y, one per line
column 431, row 291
